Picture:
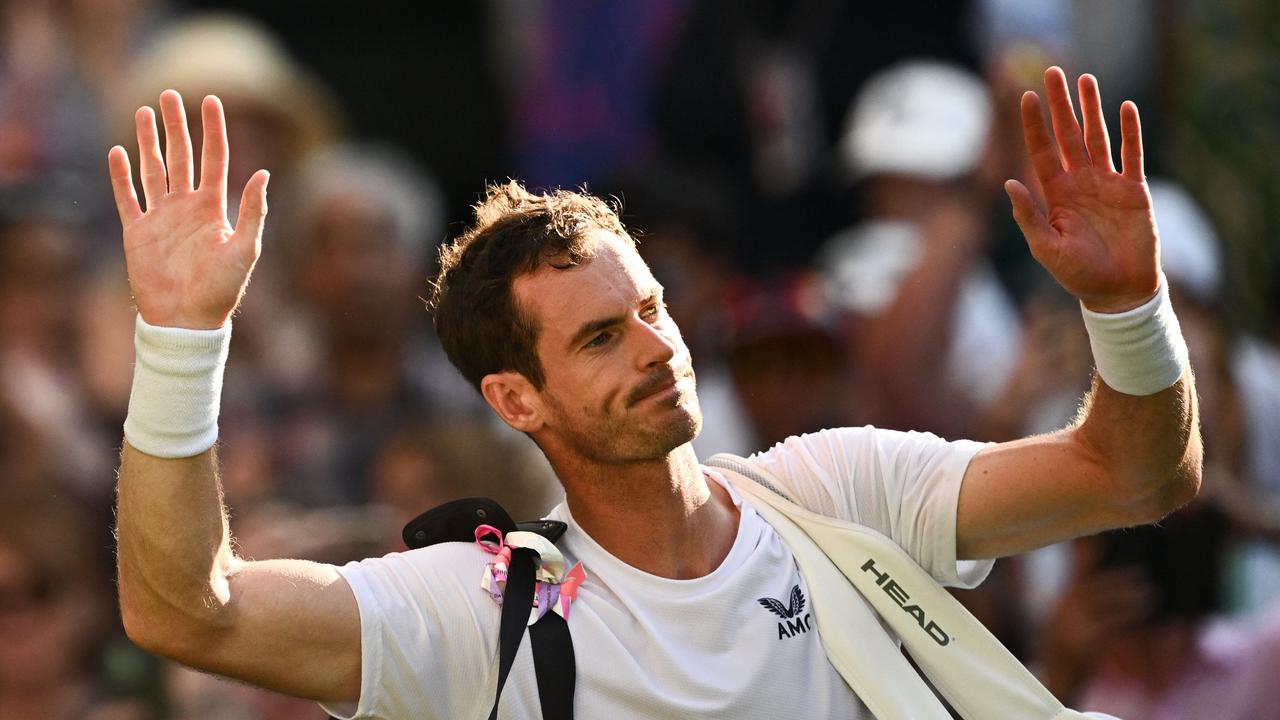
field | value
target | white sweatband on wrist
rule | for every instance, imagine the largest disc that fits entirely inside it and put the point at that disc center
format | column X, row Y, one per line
column 1139, row 351
column 177, row 388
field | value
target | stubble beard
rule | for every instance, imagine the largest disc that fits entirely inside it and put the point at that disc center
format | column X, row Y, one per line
column 630, row 438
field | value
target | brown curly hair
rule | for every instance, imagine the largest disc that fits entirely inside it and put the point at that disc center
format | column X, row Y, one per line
column 480, row 325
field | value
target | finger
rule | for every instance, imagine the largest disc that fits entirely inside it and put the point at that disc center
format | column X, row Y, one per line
column 1065, row 127
column 253, row 206
column 1095, row 125
column 1043, row 153
column 1131, row 142
column 177, row 141
column 1034, row 225
column 214, row 153
column 155, row 182
column 122, row 185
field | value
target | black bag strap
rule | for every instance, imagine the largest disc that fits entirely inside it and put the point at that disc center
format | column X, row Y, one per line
column 517, row 598
column 554, row 664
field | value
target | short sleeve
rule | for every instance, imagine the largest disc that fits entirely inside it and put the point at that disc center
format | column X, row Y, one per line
column 428, row 634
column 905, row 485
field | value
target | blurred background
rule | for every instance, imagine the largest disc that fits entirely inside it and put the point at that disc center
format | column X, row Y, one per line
column 817, row 184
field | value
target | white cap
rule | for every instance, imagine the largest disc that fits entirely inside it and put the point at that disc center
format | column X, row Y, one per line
column 245, row 64
column 923, row 118
column 1189, row 251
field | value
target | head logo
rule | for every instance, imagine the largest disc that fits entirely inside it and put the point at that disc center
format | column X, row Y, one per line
column 794, row 624
column 902, row 598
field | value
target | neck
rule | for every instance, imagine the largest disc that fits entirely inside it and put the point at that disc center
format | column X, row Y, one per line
column 662, row 516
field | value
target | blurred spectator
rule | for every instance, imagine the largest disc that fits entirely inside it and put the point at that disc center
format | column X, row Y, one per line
column 49, row 431
column 937, row 335
column 104, row 320
column 1018, row 40
column 1224, row 143
column 54, row 610
column 344, row 352
column 60, row 63
column 784, row 358
column 276, row 111
column 582, row 76
column 1236, row 376
column 759, row 88
column 429, row 463
column 1001, row 27
column 1137, row 635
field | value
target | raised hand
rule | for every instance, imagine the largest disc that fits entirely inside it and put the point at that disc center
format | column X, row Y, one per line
column 1098, row 236
column 187, row 266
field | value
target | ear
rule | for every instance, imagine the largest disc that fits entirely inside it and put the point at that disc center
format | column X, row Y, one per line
column 514, row 398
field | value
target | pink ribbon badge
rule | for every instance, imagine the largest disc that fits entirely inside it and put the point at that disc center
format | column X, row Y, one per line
column 555, row 588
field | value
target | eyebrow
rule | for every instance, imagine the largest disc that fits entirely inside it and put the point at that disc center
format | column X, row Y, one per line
column 592, row 327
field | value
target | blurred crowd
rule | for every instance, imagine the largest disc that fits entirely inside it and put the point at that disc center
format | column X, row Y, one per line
column 816, row 183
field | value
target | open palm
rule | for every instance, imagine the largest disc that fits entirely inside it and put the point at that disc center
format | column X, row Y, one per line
column 1098, row 237
column 187, row 266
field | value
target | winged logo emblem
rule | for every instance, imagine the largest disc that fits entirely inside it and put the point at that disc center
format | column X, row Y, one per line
column 777, row 608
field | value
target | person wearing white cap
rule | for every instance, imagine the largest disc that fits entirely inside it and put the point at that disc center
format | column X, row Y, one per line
column 929, row 305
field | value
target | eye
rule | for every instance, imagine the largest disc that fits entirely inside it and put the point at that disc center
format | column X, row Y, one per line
column 597, row 341
column 656, row 309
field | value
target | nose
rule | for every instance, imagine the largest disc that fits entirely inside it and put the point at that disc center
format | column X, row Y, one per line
column 657, row 343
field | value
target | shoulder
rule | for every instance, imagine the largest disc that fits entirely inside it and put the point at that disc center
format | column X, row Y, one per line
column 428, row 630
column 441, row 573
column 818, row 449
column 886, row 479
column 865, row 453
column 813, row 468
column 848, row 441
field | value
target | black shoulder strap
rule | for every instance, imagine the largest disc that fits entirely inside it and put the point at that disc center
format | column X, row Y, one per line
column 517, row 599
column 553, row 658
column 554, row 666
column 456, row 521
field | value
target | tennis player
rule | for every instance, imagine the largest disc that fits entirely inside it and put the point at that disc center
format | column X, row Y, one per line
column 687, row 603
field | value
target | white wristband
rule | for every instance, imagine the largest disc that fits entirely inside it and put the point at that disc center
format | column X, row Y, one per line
column 1139, row 351
column 177, row 388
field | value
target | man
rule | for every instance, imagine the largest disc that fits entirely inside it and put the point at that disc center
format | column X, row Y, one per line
column 672, row 619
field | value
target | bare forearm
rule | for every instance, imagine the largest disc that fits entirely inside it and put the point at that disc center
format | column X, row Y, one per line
column 173, row 541
column 287, row 625
column 1149, row 444
column 1131, row 460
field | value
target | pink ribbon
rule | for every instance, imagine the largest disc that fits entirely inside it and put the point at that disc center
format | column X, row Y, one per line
column 550, row 593
column 569, row 588
column 495, row 577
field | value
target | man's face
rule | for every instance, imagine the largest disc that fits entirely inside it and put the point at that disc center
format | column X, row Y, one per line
column 619, row 380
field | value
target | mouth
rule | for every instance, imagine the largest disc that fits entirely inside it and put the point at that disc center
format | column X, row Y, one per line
column 658, row 387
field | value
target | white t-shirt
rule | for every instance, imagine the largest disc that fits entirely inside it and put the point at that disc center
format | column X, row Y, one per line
column 652, row 647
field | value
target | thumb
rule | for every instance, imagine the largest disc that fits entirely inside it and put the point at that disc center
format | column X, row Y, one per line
column 1034, row 225
column 253, row 205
